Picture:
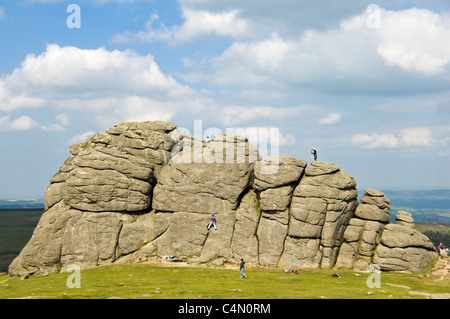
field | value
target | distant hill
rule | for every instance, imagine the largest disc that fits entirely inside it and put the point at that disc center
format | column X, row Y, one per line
column 424, row 205
column 436, row 232
column 22, row 204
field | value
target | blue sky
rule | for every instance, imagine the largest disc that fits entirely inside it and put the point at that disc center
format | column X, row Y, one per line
column 366, row 83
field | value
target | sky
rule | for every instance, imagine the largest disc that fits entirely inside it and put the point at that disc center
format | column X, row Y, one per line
column 365, row 83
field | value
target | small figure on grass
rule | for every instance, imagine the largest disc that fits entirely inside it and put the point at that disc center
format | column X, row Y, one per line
column 242, row 268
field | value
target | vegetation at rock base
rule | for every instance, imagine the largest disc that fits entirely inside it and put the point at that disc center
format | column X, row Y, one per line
column 437, row 232
column 158, row 281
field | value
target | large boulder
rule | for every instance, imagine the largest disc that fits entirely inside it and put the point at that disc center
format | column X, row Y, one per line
column 403, row 249
column 102, row 187
column 278, row 171
column 404, row 218
column 66, row 236
column 206, row 177
column 114, row 170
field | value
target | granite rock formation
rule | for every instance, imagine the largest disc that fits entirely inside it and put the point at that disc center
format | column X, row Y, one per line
column 142, row 191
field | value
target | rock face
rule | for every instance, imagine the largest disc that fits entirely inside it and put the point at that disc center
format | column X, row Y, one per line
column 322, row 205
column 142, row 191
column 114, row 170
column 403, row 249
column 362, row 233
column 404, row 218
column 275, row 179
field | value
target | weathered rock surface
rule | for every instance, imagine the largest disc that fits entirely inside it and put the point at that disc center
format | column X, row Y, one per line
column 65, row 236
column 206, row 177
column 143, row 191
column 404, row 218
column 322, row 205
column 404, row 249
column 245, row 241
column 362, row 233
column 114, row 170
column 275, row 178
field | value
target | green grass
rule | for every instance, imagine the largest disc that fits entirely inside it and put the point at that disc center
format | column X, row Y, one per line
column 154, row 281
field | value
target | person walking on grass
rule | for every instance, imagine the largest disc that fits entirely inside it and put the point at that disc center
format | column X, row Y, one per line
column 441, row 248
column 242, row 267
column 212, row 222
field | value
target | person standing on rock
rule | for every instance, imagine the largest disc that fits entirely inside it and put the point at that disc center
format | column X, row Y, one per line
column 212, row 222
column 314, row 153
column 242, row 267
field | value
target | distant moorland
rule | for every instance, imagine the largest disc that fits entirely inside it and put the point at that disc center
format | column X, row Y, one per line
column 424, row 205
column 22, row 204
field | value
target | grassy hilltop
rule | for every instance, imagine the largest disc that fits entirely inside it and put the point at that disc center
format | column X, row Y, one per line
column 169, row 281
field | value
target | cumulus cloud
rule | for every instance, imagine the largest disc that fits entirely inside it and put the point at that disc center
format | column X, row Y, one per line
column 332, row 118
column 414, row 40
column 105, row 86
column 376, row 140
column 197, row 24
column 420, row 136
column 237, row 114
column 63, row 119
column 23, row 123
column 409, row 52
column 26, row 123
column 409, row 137
column 68, row 72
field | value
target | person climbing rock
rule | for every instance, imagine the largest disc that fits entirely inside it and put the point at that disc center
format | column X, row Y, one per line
column 212, row 222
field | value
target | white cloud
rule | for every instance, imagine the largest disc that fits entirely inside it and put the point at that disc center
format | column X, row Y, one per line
column 204, row 23
column 2, row 13
column 376, row 140
column 103, row 86
column 236, row 114
column 408, row 53
column 63, row 119
column 415, row 40
column 420, row 136
column 25, row 123
column 197, row 24
column 409, row 137
column 332, row 118
column 74, row 72
column 268, row 55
